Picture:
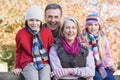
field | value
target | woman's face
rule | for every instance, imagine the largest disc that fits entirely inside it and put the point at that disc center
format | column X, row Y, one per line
column 93, row 28
column 70, row 31
column 34, row 24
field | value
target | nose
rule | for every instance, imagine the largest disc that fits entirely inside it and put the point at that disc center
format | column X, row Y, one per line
column 34, row 22
column 93, row 26
column 70, row 29
column 52, row 19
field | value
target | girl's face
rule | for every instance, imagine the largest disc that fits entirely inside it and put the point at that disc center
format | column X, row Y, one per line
column 70, row 31
column 34, row 24
column 93, row 28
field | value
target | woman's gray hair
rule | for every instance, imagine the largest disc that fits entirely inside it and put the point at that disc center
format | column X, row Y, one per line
column 71, row 18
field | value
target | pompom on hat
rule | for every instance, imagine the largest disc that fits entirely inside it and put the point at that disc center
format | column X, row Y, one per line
column 34, row 12
column 92, row 17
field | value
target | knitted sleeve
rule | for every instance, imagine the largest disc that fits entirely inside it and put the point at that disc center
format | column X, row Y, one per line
column 87, row 71
column 54, row 60
column 18, row 50
column 51, row 40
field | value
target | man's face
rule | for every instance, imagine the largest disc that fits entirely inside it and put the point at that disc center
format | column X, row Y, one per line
column 53, row 18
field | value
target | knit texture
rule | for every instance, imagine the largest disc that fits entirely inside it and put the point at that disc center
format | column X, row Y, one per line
column 24, row 43
column 57, row 74
column 93, row 17
column 74, row 49
column 38, row 51
column 34, row 12
column 93, row 45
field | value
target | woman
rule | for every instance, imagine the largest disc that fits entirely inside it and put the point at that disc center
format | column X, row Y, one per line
column 95, row 37
column 32, row 46
column 68, row 58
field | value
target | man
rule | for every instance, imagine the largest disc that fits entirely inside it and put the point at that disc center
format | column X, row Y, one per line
column 53, row 15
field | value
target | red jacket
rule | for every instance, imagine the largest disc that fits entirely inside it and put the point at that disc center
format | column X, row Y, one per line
column 24, row 45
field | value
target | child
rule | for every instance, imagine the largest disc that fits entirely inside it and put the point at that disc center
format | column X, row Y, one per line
column 95, row 37
column 32, row 46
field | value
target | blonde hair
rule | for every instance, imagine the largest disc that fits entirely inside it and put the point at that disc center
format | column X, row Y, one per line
column 71, row 19
column 101, row 42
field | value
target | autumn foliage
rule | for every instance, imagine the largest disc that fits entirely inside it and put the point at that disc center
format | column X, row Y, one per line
column 12, row 19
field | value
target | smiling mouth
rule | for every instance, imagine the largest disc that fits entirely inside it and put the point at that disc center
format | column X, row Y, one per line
column 93, row 30
column 53, row 24
column 70, row 34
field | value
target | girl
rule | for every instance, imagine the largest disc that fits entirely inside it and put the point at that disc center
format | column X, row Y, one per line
column 95, row 37
column 32, row 46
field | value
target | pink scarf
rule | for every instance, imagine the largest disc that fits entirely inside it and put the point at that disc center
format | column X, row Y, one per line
column 74, row 49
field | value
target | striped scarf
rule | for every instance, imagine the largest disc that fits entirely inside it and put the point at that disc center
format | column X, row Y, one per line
column 93, row 40
column 38, row 51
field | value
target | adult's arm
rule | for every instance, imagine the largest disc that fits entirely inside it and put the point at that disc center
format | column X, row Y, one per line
column 89, row 70
column 54, row 60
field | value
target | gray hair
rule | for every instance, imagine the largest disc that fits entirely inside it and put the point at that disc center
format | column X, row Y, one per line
column 71, row 18
column 53, row 6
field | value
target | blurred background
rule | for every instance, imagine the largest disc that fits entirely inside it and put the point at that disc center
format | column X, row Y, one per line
column 12, row 19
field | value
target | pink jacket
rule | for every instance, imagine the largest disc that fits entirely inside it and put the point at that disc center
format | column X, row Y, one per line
column 107, row 62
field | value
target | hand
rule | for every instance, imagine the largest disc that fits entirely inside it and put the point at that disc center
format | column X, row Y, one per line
column 112, row 69
column 57, row 74
column 17, row 71
column 70, row 71
column 89, row 78
column 103, row 72
column 85, row 44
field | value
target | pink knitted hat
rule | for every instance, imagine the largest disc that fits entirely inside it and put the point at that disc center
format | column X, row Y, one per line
column 92, row 17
